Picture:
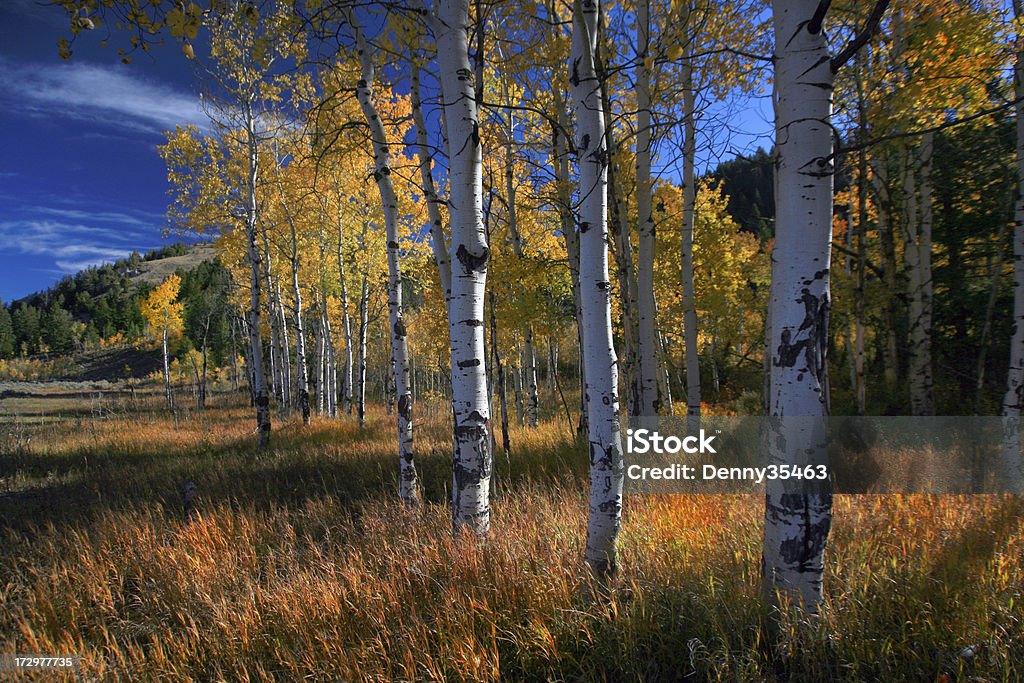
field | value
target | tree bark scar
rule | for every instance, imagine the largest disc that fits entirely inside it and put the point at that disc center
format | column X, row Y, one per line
column 405, row 406
column 800, row 550
column 472, row 363
column 471, row 262
column 400, row 328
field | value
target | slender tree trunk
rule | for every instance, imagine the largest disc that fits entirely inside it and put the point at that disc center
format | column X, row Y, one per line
column 529, row 353
column 647, row 324
column 472, row 452
column 262, row 400
column 346, row 322
column 860, row 245
column 167, row 371
column 300, row 332
column 623, row 251
column 1013, row 469
column 797, row 525
column 917, row 253
column 389, row 200
column 886, row 231
column 606, row 463
column 364, row 305
column 500, row 370
column 202, row 382
column 438, row 243
column 319, row 384
column 627, row 281
column 688, row 283
column 995, row 273
column 284, row 355
column 572, row 240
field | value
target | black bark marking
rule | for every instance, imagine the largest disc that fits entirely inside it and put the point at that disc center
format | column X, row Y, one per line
column 472, row 363
column 405, row 406
column 806, row 548
column 471, row 262
column 400, row 328
column 584, row 226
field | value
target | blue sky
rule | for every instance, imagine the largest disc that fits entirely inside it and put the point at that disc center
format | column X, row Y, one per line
column 81, row 182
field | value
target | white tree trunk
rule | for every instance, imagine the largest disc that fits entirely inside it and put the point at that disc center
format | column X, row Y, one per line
column 389, row 200
column 917, row 252
column 300, row 333
column 364, row 305
column 261, row 398
column 797, row 524
column 688, row 283
column 167, row 372
column 647, row 327
column 346, row 321
column 469, row 257
column 606, row 465
column 1013, row 469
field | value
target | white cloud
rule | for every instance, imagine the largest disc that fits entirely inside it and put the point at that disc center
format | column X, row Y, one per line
column 99, row 94
column 72, row 246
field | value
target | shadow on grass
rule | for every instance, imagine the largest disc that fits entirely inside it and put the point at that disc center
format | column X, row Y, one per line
column 326, row 458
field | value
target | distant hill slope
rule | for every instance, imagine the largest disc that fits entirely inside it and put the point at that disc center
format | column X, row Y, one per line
column 140, row 270
column 101, row 302
column 153, row 273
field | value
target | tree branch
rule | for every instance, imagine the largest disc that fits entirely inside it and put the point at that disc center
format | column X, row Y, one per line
column 818, row 18
column 874, row 19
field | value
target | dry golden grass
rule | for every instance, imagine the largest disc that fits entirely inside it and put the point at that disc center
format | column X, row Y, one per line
column 303, row 566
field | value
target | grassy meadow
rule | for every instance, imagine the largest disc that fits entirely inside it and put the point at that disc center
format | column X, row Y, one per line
column 302, row 565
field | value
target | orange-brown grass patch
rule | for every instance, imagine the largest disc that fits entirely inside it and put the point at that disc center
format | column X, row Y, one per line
column 302, row 564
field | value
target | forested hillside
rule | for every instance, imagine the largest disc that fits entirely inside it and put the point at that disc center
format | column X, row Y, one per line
column 99, row 307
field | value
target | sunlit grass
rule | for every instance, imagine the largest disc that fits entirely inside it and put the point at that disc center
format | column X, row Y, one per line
column 304, row 565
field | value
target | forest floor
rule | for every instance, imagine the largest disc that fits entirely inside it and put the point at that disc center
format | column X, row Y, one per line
column 302, row 565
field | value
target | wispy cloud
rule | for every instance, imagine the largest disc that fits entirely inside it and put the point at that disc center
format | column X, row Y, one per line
column 99, row 94
column 73, row 246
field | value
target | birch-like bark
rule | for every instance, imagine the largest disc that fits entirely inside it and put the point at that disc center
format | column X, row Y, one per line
column 647, row 341
column 300, row 332
column 688, row 282
column 606, row 464
column 284, row 353
column 469, row 257
column 389, row 200
column 346, row 322
column 364, row 306
column 1013, row 468
column 797, row 524
column 262, row 400
column 167, row 372
column 917, row 254
column 321, row 365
